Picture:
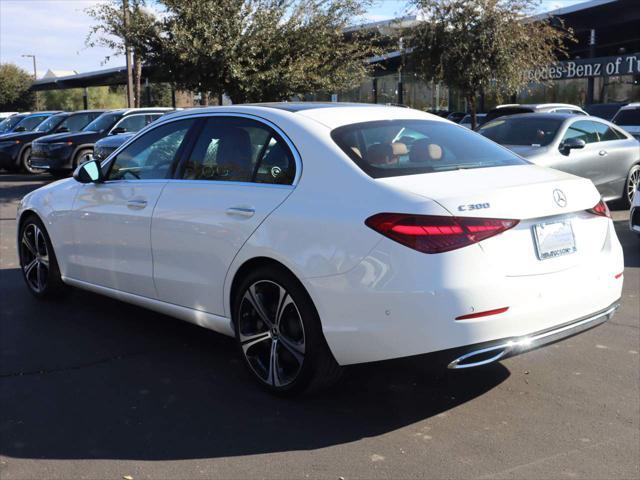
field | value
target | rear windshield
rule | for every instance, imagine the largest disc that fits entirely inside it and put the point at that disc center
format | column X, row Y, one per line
column 531, row 131
column 628, row 117
column 29, row 123
column 407, row 147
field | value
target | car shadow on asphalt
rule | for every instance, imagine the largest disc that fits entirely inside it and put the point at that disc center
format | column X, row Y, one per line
column 91, row 377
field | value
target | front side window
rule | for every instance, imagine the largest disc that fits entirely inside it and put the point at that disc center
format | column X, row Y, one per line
column 103, row 122
column 582, row 130
column 526, row 131
column 393, row 148
column 152, row 155
column 8, row 123
column 239, row 150
column 75, row 123
column 29, row 123
column 50, row 123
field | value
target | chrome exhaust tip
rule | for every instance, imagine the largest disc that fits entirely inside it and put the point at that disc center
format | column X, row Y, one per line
column 484, row 356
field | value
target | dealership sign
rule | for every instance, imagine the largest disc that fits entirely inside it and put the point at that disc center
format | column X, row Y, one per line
column 588, row 67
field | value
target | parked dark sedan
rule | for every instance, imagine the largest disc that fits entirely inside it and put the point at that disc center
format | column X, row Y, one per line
column 15, row 148
column 589, row 147
column 61, row 153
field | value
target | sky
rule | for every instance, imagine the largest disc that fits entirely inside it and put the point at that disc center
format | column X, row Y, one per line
column 56, row 31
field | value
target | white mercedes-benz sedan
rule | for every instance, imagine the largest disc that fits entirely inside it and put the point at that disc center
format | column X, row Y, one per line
column 323, row 235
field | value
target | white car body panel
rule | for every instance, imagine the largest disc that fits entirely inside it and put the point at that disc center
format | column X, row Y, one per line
column 377, row 299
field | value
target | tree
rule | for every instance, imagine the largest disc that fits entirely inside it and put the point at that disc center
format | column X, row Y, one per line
column 263, row 50
column 483, row 45
column 14, row 88
column 111, row 31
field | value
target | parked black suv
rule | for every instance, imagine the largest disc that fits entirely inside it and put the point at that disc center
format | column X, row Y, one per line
column 23, row 122
column 62, row 152
column 15, row 148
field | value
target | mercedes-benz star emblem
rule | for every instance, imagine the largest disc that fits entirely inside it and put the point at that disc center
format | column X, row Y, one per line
column 560, row 198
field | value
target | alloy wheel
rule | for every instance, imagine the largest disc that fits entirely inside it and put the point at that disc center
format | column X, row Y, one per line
column 271, row 332
column 633, row 183
column 34, row 257
column 26, row 163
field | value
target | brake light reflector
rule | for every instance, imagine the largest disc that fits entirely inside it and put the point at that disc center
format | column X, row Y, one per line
column 483, row 314
column 434, row 233
column 600, row 209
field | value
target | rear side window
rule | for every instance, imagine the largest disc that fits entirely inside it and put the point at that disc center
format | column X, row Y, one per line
column 237, row 149
column 407, row 147
column 606, row 133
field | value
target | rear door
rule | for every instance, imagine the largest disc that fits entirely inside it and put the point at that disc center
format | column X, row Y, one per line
column 239, row 170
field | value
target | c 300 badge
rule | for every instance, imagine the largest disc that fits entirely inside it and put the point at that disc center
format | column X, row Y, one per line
column 473, row 206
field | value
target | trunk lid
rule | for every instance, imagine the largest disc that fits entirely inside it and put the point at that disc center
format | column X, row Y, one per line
column 528, row 193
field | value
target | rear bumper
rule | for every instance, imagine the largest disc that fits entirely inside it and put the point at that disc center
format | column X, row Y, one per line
column 483, row 354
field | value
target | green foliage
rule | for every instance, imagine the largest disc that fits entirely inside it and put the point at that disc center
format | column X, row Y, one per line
column 262, row 50
column 67, row 100
column 484, row 45
column 14, row 89
column 98, row 97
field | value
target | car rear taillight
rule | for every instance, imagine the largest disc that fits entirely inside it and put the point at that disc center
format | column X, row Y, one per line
column 600, row 209
column 434, row 233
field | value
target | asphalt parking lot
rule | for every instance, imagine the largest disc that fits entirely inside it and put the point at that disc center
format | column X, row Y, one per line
column 94, row 388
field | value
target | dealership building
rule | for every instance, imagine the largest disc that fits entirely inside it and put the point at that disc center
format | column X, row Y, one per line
column 603, row 66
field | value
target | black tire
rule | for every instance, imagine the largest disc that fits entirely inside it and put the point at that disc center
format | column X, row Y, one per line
column 77, row 160
column 42, row 279
column 302, row 359
column 631, row 185
column 25, row 163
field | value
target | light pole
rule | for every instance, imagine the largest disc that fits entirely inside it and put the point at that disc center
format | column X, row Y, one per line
column 35, row 73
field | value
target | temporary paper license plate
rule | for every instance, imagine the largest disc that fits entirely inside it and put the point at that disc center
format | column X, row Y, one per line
column 554, row 239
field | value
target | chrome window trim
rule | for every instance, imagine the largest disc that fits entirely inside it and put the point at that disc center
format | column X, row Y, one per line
column 158, row 123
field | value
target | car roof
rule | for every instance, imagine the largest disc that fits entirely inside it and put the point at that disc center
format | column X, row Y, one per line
column 631, row 106
column 544, row 116
column 329, row 114
column 537, row 106
column 127, row 111
column 98, row 110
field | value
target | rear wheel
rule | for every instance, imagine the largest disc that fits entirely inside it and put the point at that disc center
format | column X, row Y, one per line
column 631, row 187
column 279, row 333
column 38, row 261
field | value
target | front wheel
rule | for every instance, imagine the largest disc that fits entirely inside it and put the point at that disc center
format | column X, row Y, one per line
column 38, row 261
column 25, row 162
column 279, row 334
column 632, row 185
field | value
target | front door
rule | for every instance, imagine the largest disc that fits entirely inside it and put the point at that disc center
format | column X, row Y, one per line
column 111, row 221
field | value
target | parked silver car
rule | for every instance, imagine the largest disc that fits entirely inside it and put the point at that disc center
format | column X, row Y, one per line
column 585, row 146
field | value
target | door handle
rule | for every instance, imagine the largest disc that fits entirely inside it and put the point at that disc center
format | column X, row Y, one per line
column 602, row 153
column 137, row 203
column 246, row 212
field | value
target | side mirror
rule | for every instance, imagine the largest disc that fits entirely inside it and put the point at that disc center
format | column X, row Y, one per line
column 62, row 130
column 118, row 130
column 89, row 172
column 571, row 144
column 20, row 129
